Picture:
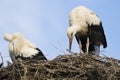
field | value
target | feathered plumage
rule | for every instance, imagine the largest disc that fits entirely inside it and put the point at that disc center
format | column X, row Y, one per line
column 86, row 26
column 21, row 48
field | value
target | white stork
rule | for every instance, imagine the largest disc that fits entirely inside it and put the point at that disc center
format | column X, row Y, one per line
column 21, row 48
column 86, row 26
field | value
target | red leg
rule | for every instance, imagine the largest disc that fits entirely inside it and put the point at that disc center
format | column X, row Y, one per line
column 80, row 46
column 87, row 45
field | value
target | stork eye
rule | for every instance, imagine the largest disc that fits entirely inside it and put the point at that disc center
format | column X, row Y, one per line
column 71, row 34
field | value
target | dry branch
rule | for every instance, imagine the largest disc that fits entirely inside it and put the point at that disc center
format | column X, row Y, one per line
column 67, row 67
column 1, row 64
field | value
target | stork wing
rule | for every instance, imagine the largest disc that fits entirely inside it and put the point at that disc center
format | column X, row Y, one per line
column 29, row 44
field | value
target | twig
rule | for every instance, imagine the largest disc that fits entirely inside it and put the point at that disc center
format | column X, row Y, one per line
column 59, row 49
column 70, row 51
column 2, row 60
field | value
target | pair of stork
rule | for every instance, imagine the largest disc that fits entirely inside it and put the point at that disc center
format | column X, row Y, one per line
column 83, row 24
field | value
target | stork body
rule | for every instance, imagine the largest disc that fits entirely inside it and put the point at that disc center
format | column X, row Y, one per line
column 86, row 26
column 21, row 48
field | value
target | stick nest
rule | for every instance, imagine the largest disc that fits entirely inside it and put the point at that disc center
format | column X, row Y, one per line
column 64, row 67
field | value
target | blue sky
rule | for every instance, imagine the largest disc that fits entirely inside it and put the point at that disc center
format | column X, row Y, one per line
column 44, row 22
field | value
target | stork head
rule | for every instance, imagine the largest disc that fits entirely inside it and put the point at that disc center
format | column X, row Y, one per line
column 11, row 37
column 8, row 37
column 71, row 31
column 17, row 41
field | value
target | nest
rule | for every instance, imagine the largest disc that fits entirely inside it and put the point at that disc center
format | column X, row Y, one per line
column 64, row 67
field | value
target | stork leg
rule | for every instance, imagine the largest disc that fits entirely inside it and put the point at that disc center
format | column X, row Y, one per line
column 80, row 46
column 97, row 50
column 87, row 45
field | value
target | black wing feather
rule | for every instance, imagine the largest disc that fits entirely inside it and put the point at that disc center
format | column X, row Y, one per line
column 97, row 36
column 38, row 56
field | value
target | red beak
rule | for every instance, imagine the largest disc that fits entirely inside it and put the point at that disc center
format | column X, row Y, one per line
column 70, row 43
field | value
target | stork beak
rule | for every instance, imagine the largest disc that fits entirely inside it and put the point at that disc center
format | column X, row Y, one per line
column 70, row 43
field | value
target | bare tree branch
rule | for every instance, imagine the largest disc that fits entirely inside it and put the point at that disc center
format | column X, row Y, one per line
column 2, row 60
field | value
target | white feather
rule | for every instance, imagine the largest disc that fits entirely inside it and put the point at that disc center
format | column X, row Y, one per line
column 29, row 51
column 80, row 15
column 19, row 46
